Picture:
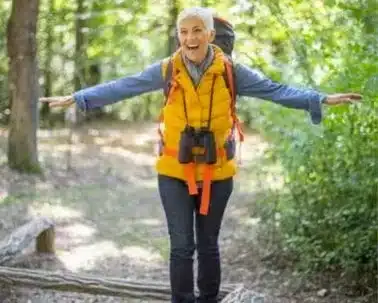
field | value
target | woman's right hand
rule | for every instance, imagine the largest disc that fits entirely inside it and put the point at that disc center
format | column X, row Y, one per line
column 59, row 101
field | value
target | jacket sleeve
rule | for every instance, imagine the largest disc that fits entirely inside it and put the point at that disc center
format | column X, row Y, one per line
column 252, row 83
column 150, row 79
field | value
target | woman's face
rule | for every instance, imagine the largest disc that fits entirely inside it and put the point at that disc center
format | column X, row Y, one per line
column 194, row 39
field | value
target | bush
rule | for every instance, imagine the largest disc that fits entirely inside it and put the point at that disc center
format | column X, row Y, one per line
column 329, row 207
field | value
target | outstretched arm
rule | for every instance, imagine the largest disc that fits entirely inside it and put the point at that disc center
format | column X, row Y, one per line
column 252, row 83
column 148, row 80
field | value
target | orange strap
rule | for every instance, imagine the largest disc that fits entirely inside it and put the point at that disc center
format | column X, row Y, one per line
column 230, row 77
column 190, row 174
column 189, row 171
column 206, row 189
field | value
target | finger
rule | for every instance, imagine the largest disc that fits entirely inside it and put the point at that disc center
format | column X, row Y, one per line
column 51, row 99
column 354, row 96
column 351, row 100
column 55, row 104
column 45, row 99
column 60, row 104
column 55, row 99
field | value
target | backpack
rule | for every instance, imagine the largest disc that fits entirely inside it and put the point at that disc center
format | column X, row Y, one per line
column 225, row 39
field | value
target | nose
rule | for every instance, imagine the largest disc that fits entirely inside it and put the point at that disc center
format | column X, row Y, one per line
column 191, row 37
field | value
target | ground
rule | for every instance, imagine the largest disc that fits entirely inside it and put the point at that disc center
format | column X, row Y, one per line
column 101, row 191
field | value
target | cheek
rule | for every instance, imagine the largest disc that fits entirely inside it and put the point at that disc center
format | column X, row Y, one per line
column 205, row 37
column 204, row 41
column 181, row 39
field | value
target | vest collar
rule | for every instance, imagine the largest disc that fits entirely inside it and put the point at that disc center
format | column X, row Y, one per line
column 216, row 67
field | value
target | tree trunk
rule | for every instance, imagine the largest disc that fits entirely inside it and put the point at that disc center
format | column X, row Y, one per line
column 23, row 85
column 80, row 56
column 81, row 283
column 174, row 9
column 45, row 111
column 94, row 77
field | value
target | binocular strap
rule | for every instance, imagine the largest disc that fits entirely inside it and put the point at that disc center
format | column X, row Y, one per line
column 210, row 105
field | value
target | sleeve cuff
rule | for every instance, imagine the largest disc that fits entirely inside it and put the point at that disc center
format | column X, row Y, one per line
column 80, row 101
column 315, row 108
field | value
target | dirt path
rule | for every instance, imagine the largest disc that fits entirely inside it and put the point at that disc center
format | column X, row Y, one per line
column 109, row 218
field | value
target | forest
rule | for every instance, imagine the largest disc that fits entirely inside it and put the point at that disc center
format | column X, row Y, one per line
column 310, row 191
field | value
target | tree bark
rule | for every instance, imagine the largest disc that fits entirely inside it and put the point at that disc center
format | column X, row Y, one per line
column 79, row 79
column 23, row 85
column 174, row 8
column 80, row 54
column 89, row 284
column 94, row 77
column 40, row 229
column 45, row 111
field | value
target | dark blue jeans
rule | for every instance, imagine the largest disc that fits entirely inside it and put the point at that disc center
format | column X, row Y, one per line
column 182, row 216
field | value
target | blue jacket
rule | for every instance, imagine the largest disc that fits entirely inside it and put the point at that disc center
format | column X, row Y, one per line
column 249, row 83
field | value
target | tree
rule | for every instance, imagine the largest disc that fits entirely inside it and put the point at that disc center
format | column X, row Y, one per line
column 23, row 85
column 49, row 41
column 174, row 8
column 80, row 54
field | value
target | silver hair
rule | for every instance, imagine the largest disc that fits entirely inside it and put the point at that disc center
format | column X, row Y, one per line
column 205, row 14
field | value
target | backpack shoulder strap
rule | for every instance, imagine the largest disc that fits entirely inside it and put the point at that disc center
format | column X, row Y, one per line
column 229, row 77
column 167, row 70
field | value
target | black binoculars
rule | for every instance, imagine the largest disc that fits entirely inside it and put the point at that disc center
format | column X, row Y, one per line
column 203, row 138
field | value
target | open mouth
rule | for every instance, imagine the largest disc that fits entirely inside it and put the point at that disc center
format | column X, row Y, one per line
column 192, row 47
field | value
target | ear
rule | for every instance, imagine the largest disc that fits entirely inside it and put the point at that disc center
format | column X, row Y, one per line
column 211, row 36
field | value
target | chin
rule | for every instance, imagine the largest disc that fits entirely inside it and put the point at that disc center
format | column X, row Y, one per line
column 195, row 60
column 191, row 58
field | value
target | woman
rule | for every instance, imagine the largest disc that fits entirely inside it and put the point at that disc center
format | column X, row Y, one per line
column 200, row 96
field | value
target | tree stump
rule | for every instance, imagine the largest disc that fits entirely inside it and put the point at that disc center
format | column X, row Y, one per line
column 46, row 241
column 39, row 229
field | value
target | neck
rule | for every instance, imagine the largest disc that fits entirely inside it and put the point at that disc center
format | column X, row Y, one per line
column 198, row 63
column 196, row 70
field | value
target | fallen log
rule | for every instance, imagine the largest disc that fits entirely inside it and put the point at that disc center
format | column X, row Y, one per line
column 80, row 283
column 39, row 229
column 243, row 295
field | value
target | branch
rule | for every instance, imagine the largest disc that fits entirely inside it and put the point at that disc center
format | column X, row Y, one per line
column 81, row 283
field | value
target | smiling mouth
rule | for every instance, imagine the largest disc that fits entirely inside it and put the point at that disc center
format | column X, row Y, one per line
column 192, row 47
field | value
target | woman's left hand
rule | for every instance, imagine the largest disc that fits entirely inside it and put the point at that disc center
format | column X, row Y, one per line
column 335, row 99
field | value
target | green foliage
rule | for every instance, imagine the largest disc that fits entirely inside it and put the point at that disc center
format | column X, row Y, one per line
column 4, row 14
column 328, row 210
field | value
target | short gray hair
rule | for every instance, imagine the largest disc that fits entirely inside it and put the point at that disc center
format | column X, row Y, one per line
column 205, row 14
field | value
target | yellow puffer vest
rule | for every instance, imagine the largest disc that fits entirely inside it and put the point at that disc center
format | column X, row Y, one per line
column 198, row 107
